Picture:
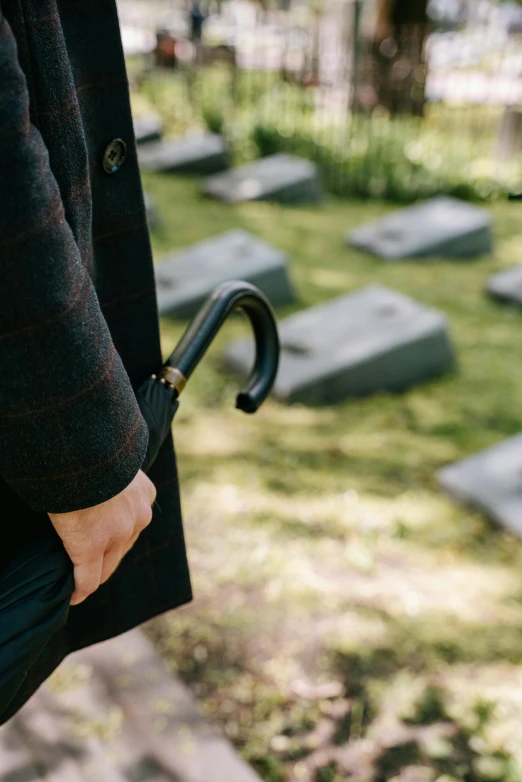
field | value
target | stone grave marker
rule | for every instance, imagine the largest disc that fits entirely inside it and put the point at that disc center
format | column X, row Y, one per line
column 440, row 226
column 147, row 127
column 186, row 278
column 506, row 285
column 196, row 154
column 375, row 339
column 490, row 481
column 280, row 177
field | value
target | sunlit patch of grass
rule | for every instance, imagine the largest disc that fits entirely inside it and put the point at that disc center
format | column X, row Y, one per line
column 323, row 554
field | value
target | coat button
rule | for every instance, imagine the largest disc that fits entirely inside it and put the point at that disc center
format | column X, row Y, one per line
column 114, row 155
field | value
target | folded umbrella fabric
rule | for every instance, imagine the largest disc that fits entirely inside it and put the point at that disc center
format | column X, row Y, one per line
column 35, row 591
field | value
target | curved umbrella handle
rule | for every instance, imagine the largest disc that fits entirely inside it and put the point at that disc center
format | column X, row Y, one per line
column 203, row 328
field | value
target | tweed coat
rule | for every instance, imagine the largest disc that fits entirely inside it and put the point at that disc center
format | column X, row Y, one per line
column 78, row 316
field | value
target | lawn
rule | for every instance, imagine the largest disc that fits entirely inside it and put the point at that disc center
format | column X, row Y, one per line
column 350, row 622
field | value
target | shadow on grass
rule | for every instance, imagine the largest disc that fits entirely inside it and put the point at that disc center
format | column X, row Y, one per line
column 277, row 730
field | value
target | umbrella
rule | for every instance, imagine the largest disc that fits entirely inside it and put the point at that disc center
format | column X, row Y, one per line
column 158, row 395
column 36, row 586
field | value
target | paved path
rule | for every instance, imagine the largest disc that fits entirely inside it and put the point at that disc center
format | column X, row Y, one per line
column 112, row 713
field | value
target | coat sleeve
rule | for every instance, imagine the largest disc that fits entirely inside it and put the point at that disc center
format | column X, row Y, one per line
column 71, row 434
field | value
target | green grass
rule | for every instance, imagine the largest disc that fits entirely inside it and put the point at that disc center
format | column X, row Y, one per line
column 350, row 622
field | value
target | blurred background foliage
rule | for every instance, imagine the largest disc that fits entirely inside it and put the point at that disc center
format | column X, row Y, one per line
column 400, row 159
column 393, row 99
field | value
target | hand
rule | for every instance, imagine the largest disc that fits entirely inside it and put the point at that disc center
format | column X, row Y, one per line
column 98, row 538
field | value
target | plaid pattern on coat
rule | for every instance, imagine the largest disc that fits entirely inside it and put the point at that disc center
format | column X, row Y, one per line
column 78, row 316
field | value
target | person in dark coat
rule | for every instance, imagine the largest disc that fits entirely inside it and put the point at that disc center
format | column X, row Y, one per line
column 79, row 326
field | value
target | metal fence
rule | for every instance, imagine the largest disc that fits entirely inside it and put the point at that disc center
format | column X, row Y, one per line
column 435, row 112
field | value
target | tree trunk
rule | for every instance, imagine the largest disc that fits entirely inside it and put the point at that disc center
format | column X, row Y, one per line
column 316, row 12
column 397, row 66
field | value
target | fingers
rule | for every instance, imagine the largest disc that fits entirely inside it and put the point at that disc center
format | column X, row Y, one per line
column 111, row 560
column 89, row 576
column 148, row 488
column 98, row 538
column 86, row 580
column 134, row 539
column 118, row 549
